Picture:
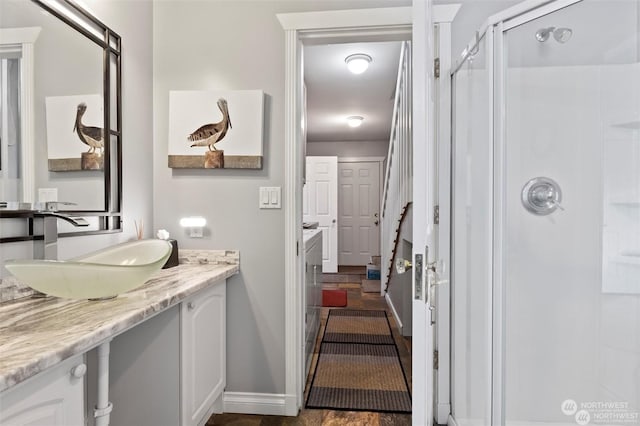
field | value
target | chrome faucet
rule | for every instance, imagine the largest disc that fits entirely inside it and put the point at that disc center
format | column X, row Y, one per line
column 45, row 223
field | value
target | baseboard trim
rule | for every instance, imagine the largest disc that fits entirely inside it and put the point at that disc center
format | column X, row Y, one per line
column 393, row 310
column 272, row 404
column 442, row 413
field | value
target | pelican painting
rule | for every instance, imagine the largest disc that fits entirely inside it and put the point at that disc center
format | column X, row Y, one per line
column 194, row 144
column 91, row 136
column 210, row 134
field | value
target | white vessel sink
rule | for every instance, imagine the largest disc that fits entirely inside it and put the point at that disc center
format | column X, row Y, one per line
column 101, row 274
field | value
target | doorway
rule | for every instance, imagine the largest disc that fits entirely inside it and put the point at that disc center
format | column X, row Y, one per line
column 336, row 94
column 356, row 25
column 341, row 196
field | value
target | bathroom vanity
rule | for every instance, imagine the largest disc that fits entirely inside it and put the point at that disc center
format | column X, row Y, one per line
column 312, row 290
column 167, row 350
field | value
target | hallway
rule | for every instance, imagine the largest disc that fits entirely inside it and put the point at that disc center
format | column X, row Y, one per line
column 348, row 278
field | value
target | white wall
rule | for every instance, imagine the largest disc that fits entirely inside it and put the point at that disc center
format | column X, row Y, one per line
column 133, row 22
column 349, row 148
column 233, row 45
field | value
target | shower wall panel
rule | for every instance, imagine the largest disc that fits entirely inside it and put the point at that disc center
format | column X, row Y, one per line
column 619, row 310
column 552, row 263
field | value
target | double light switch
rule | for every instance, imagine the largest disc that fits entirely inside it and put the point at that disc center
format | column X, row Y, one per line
column 270, row 197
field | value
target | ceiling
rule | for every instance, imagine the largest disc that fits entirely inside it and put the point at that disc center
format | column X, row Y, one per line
column 333, row 93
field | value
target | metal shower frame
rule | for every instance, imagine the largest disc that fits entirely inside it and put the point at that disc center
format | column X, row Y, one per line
column 494, row 29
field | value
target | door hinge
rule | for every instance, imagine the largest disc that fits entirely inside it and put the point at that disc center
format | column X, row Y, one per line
column 436, row 215
column 436, row 67
column 435, row 360
column 297, row 248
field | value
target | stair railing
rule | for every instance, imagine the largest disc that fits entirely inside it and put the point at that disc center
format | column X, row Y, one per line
column 398, row 178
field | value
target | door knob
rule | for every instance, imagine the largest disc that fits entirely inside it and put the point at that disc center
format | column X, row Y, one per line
column 402, row 265
column 333, row 221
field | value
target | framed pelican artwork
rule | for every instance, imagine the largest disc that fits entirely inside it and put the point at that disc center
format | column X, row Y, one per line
column 75, row 135
column 216, row 129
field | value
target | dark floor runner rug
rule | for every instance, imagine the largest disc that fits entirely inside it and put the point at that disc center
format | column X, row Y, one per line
column 359, row 367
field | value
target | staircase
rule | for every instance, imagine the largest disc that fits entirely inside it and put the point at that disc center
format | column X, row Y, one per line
column 397, row 188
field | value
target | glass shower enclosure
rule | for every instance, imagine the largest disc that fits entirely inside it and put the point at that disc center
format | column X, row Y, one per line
column 546, row 217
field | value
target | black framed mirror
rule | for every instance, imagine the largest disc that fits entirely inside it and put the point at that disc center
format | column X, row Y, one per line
column 66, row 142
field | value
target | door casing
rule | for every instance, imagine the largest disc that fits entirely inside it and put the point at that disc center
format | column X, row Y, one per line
column 382, row 24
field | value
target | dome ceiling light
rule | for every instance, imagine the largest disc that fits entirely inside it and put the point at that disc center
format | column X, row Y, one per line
column 358, row 63
column 354, row 121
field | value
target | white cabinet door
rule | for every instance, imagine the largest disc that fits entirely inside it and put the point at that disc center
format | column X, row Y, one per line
column 313, row 296
column 202, row 353
column 52, row 398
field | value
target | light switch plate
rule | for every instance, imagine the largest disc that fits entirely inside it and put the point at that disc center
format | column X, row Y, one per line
column 270, row 197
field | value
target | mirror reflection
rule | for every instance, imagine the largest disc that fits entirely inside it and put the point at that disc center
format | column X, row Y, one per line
column 66, row 160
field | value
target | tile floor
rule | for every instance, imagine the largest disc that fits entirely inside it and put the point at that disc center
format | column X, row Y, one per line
column 349, row 278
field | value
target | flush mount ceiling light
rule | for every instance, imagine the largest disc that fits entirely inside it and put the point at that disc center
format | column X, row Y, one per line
column 354, row 121
column 358, row 63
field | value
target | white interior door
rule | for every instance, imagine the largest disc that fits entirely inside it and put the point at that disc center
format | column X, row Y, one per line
column 424, row 191
column 442, row 293
column 358, row 212
column 320, row 204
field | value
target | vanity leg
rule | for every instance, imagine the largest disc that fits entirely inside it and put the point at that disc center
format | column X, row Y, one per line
column 103, row 406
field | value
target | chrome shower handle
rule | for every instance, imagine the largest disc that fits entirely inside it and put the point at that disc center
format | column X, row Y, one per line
column 557, row 204
column 542, row 196
column 547, row 194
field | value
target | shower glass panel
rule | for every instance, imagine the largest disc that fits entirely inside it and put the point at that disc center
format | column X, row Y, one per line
column 471, row 241
column 571, row 271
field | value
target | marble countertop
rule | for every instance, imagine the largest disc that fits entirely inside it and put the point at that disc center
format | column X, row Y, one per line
column 36, row 334
column 309, row 234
